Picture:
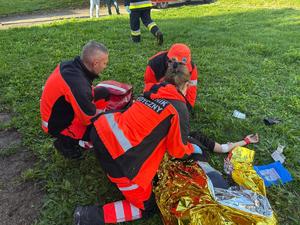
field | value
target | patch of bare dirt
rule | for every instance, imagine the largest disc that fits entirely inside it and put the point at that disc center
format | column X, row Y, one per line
column 9, row 138
column 20, row 201
column 4, row 118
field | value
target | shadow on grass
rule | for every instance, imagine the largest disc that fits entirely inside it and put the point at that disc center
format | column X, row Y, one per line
column 247, row 61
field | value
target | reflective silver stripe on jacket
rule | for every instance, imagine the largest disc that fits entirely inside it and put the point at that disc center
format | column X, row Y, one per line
column 44, row 124
column 193, row 82
column 129, row 188
column 123, row 141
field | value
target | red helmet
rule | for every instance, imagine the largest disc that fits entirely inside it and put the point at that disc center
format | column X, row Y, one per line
column 181, row 53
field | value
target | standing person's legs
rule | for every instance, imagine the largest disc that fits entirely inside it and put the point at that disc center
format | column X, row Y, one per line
column 116, row 6
column 108, row 4
column 91, row 8
column 151, row 25
column 135, row 26
column 97, row 7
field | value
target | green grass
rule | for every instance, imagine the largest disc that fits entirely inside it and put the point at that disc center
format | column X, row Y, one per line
column 11, row 150
column 28, row 6
column 248, row 57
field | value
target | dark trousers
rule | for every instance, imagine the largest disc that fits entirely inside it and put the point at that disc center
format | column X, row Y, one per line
column 69, row 140
column 144, row 15
column 109, row 3
column 69, row 147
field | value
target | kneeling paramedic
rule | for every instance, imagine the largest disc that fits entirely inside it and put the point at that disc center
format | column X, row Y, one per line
column 68, row 99
column 158, row 64
column 130, row 147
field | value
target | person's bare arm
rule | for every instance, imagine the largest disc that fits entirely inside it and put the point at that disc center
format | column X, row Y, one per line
column 224, row 148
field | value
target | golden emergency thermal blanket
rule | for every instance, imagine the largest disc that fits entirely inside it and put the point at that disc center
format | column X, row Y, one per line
column 185, row 195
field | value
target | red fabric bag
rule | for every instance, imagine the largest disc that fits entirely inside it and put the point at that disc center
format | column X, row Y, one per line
column 120, row 94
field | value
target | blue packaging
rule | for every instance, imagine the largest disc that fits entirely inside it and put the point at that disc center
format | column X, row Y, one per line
column 274, row 173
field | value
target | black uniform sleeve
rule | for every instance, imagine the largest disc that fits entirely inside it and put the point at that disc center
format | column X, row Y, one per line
column 101, row 93
column 177, row 138
column 80, row 96
column 84, row 97
column 183, row 113
column 204, row 141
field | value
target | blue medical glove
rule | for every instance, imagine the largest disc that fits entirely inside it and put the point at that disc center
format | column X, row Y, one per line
column 127, row 9
column 197, row 149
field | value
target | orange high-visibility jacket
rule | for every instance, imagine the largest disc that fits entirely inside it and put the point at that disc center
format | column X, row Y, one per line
column 138, row 138
column 67, row 96
column 156, row 70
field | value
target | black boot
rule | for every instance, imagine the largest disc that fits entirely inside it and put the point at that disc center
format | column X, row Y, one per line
column 159, row 37
column 88, row 215
column 136, row 39
column 118, row 10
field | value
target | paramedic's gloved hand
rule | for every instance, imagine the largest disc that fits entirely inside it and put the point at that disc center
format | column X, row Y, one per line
column 127, row 9
column 197, row 149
